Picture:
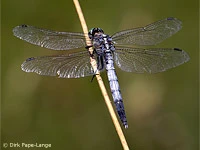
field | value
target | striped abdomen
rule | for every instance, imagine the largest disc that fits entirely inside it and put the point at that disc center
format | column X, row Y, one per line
column 115, row 89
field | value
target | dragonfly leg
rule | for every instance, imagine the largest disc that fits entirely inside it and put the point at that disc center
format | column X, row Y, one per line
column 93, row 77
column 99, row 66
column 91, row 54
column 87, row 47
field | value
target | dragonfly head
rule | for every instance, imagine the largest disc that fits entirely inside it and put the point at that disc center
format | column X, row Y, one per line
column 93, row 31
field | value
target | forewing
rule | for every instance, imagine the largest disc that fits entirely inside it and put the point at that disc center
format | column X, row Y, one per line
column 49, row 39
column 74, row 65
column 155, row 60
column 151, row 34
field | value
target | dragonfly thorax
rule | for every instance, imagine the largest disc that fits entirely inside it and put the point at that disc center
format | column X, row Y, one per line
column 101, row 42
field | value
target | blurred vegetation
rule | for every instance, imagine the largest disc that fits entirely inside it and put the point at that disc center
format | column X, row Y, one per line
column 162, row 109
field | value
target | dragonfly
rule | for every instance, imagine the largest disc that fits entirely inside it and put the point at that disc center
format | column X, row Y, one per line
column 117, row 49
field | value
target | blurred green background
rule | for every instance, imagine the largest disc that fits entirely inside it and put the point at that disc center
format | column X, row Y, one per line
column 162, row 109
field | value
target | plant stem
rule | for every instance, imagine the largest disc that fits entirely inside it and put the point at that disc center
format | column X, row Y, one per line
column 99, row 79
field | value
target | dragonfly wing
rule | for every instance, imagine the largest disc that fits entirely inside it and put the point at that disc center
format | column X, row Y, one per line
column 153, row 60
column 74, row 65
column 50, row 39
column 151, row 34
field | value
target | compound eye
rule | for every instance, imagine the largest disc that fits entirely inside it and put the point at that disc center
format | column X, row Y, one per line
column 90, row 33
column 100, row 30
column 90, row 36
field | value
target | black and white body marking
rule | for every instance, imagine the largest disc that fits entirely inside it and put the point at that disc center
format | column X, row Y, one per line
column 104, row 48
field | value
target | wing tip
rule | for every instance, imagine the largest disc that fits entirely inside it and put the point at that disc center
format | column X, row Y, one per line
column 16, row 30
column 23, row 65
column 171, row 18
column 20, row 26
column 175, row 21
column 29, row 59
column 178, row 49
column 185, row 54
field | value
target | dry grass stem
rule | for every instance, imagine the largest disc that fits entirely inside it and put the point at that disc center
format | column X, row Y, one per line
column 99, row 79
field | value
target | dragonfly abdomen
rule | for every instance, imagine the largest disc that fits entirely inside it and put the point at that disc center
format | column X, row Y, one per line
column 116, row 94
column 115, row 89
